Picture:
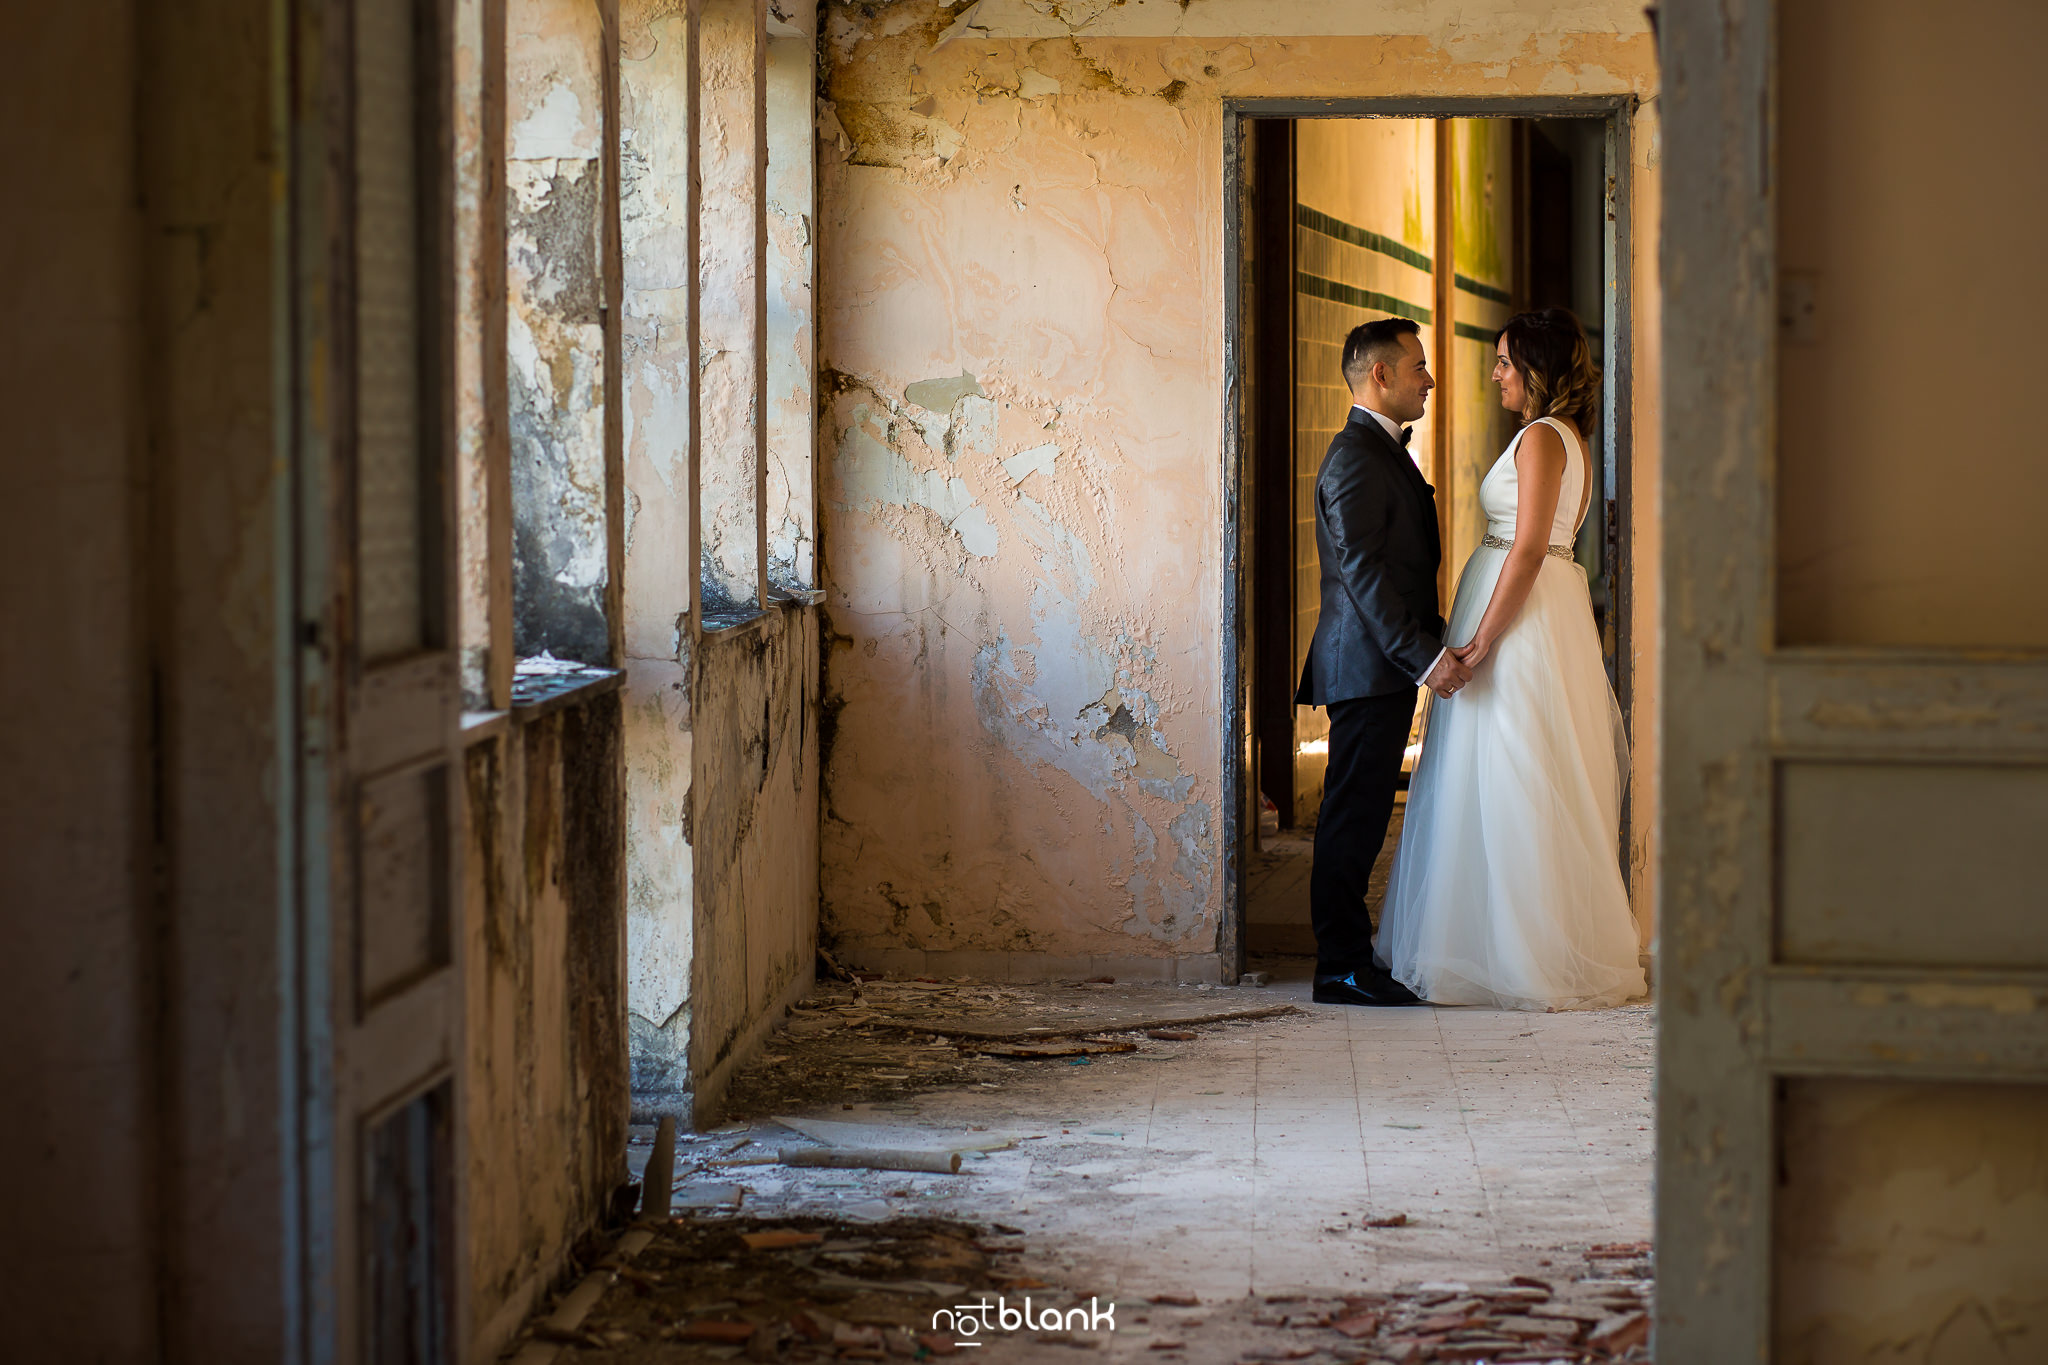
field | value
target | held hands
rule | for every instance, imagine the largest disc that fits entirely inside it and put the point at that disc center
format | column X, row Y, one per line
column 1473, row 653
column 1450, row 674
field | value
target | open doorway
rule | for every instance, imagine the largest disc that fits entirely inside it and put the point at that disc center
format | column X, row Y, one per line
column 1456, row 218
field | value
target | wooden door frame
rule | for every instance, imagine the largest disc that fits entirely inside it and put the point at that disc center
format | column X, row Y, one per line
column 1271, row 365
column 1617, row 417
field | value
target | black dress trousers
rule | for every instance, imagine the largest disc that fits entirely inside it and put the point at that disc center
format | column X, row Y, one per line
column 1367, row 738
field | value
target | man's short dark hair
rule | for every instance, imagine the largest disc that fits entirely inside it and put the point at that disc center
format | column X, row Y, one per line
column 1370, row 343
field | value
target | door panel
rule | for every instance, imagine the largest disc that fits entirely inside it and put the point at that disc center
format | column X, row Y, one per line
column 1878, row 1174
column 1900, row 864
column 402, row 894
column 382, row 1121
column 1853, row 1022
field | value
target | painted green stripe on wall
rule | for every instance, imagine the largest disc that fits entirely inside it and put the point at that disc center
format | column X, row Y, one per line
column 1318, row 287
column 1471, row 333
column 1484, row 291
column 1316, row 221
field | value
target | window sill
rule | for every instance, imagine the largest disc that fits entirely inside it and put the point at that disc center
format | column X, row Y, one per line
column 541, row 687
column 731, row 625
column 478, row 726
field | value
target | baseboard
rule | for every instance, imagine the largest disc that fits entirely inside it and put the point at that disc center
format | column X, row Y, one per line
column 495, row 1335
column 707, row 1103
column 1193, row 968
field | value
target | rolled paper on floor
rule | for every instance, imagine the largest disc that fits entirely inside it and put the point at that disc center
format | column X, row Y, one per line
column 871, row 1159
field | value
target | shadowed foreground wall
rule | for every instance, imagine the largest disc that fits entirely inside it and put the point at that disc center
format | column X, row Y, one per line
column 1022, row 344
column 1911, row 518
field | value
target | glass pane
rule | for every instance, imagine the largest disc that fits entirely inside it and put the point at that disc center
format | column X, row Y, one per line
column 387, row 329
column 406, row 1243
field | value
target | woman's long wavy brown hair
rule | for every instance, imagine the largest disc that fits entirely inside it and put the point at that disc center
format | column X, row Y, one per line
column 1548, row 348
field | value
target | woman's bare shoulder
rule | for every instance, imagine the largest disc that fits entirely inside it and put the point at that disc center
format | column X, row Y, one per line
column 1540, row 448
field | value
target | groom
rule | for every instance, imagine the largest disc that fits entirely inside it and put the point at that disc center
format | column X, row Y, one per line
column 1379, row 634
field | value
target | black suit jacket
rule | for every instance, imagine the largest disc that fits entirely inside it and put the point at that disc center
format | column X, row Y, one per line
column 1380, row 626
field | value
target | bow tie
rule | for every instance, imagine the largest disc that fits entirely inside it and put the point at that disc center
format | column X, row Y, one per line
column 1406, row 432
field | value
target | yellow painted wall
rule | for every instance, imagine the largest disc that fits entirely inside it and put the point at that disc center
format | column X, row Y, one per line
column 1482, row 252
column 1369, row 188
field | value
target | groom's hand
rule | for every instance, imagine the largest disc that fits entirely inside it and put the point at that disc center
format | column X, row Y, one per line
column 1448, row 676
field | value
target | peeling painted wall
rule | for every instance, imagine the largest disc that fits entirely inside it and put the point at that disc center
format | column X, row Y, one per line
column 1022, row 342
column 753, row 829
column 789, row 509
column 655, row 341
column 732, row 283
column 659, row 359
column 554, row 245
column 547, row 1085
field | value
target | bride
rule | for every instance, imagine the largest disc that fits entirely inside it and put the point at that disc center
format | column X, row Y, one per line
column 1506, row 890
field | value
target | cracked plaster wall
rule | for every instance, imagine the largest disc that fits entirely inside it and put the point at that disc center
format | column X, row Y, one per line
column 732, row 217
column 657, row 358
column 789, row 488
column 1022, row 343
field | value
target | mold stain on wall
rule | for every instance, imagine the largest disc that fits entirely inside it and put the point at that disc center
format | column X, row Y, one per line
column 555, row 341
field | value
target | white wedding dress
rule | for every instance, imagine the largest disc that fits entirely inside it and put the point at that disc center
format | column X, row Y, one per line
column 1506, row 889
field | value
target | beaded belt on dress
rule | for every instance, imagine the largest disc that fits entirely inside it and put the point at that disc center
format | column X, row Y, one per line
column 1494, row 542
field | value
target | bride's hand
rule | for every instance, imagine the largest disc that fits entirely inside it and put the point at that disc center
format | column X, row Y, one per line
column 1474, row 652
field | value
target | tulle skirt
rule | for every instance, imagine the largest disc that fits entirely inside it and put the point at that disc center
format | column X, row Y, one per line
column 1506, row 889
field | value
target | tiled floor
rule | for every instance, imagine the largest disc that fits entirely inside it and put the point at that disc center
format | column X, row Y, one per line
column 1244, row 1161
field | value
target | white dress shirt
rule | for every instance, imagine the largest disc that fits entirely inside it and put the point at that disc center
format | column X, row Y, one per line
column 1393, row 429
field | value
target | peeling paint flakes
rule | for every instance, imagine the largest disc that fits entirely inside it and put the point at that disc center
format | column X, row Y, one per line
column 874, row 473
column 974, row 424
column 1037, row 460
column 555, row 129
column 1033, row 84
column 942, row 395
column 976, row 531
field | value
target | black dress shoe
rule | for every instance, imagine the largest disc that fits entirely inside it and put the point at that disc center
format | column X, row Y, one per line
column 1367, row 986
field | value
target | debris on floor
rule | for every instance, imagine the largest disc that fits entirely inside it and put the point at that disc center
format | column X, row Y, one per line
column 803, row 1289
column 1200, row 1162
column 866, row 1040
column 815, row 1289
column 1562, row 1315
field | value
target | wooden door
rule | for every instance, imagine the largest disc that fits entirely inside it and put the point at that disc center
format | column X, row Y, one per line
column 380, row 961
column 1853, row 969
